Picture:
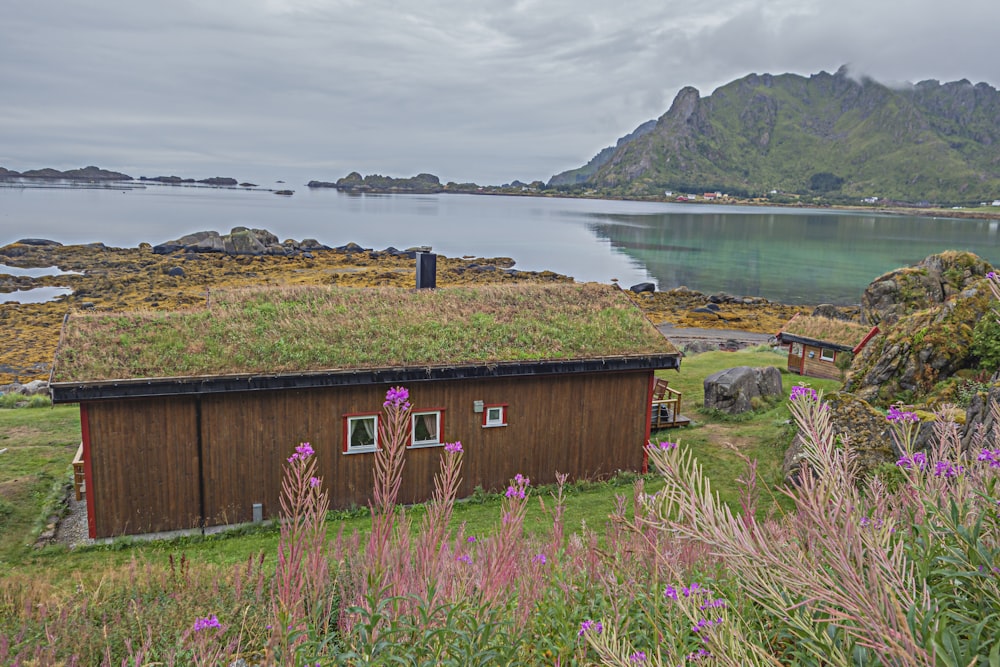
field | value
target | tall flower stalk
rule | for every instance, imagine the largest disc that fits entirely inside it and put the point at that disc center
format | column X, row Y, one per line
column 301, row 598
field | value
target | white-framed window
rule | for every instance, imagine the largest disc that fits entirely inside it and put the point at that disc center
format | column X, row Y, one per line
column 360, row 433
column 494, row 415
column 426, row 427
column 826, row 354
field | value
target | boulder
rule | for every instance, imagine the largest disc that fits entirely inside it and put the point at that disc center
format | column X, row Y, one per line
column 862, row 428
column 831, row 312
column 176, row 271
column 243, row 241
column 39, row 242
column 643, row 287
column 734, row 390
column 932, row 281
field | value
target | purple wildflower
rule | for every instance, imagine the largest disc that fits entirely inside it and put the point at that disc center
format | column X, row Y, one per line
column 918, row 460
column 589, row 625
column 991, row 456
column 638, row 656
column 667, row 445
column 670, row 592
column 454, row 447
column 470, row 538
column 991, row 275
column 895, row 415
column 206, row 623
column 711, row 604
column 465, row 558
column 802, row 391
column 315, row 481
column 540, row 559
column 397, row 397
column 688, row 591
column 947, row 469
column 522, row 480
column 302, row 452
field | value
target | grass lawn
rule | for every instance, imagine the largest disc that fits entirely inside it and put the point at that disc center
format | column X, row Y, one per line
column 41, row 444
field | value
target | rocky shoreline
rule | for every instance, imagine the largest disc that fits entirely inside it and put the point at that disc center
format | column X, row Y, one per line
column 182, row 273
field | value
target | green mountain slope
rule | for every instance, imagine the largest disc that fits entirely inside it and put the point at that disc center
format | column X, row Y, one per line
column 823, row 134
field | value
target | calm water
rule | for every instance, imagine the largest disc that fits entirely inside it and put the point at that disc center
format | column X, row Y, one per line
column 782, row 254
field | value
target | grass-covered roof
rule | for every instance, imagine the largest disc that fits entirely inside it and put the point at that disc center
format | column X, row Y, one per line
column 826, row 330
column 306, row 329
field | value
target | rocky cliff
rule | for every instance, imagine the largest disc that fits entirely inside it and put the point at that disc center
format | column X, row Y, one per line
column 827, row 134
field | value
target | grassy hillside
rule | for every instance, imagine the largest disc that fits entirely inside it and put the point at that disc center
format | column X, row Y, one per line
column 825, row 134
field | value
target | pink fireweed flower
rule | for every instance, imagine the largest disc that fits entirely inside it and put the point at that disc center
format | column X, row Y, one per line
column 206, row 623
column 454, row 447
column 670, row 592
column 302, row 452
column 947, row 469
column 991, row 275
column 638, row 656
column 540, row 559
column 522, row 480
column 397, row 397
column 470, row 538
column 802, row 391
column 688, row 591
column 315, row 481
column 896, row 415
column 990, row 456
column 513, row 492
column 589, row 625
column 918, row 460
column 666, row 445
column 465, row 558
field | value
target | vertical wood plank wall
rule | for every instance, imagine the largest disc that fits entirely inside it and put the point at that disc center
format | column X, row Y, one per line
column 814, row 367
column 586, row 425
column 144, row 465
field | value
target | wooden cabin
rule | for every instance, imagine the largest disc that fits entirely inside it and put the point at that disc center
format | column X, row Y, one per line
column 188, row 417
column 815, row 344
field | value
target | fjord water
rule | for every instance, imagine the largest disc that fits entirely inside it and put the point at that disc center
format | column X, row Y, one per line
column 786, row 255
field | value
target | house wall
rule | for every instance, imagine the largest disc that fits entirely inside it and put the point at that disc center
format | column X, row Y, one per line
column 586, row 425
column 143, row 466
column 813, row 366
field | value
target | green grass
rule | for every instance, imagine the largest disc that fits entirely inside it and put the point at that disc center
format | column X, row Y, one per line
column 321, row 328
column 40, row 446
column 45, row 441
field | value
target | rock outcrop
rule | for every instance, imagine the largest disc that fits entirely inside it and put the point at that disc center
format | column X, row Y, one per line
column 239, row 241
column 856, row 424
column 741, row 389
column 927, row 314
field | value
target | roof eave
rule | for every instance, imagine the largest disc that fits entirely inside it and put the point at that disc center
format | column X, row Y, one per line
column 74, row 392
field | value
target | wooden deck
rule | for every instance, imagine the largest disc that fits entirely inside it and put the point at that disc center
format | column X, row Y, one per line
column 666, row 407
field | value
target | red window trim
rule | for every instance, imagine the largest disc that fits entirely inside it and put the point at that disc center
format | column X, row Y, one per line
column 486, row 411
column 347, row 436
column 441, row 440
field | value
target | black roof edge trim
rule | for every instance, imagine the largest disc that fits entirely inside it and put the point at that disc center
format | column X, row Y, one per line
column 792, row 338
column 74, row 392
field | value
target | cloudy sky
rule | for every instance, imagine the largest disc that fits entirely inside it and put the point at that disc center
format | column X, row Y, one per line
column 470, row 91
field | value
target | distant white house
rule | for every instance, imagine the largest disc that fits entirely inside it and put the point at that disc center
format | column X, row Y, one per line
column 870, row 200
column 996, row 202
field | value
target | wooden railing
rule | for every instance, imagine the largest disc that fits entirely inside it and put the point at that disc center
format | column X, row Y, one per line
column 667, row 410
column 79, row 477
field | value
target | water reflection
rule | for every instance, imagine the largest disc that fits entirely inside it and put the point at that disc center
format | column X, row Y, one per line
column 34, row 272
column 35, row 295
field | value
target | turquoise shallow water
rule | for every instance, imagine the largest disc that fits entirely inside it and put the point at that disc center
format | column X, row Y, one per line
column 786, row 255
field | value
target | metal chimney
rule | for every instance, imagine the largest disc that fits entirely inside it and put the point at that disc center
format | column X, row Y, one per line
column 426, row 270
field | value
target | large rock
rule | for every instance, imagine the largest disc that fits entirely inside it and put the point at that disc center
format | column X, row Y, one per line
column 862, row 428
column 932, row 281
column 733, row 390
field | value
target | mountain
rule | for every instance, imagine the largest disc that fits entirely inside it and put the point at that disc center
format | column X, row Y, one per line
column 826, row 134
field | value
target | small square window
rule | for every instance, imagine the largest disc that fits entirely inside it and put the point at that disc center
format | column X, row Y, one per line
column 494, row 415
column 361, row 434
column 426, row 428
column 827, row 355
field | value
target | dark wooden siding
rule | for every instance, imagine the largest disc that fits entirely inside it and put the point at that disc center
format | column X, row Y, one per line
column 814, row 366
column 144, row 466
column 587, row 425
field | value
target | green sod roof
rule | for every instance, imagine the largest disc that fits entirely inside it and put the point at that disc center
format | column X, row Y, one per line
column 838, row 333
column 310, row 329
